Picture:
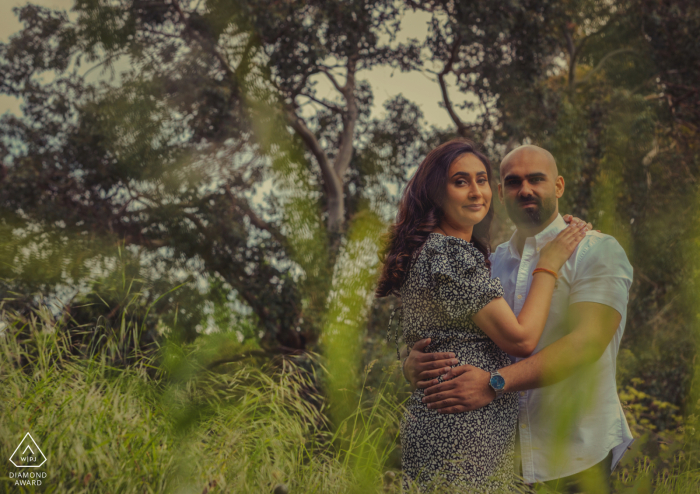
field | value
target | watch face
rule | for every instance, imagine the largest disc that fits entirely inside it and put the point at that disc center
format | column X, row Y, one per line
column 497, row 382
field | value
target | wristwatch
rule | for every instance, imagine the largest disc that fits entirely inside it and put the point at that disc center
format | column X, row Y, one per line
column 497, row 383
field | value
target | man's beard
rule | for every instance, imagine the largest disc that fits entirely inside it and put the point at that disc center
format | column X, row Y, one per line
column 543, row 210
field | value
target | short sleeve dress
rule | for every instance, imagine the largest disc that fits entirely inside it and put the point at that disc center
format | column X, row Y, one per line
column 470, row 451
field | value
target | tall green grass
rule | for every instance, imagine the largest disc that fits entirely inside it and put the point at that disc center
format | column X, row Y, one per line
column 182, row 422
column 196, row 418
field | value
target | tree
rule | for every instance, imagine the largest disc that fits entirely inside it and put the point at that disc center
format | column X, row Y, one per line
column 611, row 88
column 219, row 100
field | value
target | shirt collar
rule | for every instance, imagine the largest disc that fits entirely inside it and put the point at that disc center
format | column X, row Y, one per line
column 541, row 238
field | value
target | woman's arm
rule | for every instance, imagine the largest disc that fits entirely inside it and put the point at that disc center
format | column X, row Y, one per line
column 519, row 335
column 421, row 366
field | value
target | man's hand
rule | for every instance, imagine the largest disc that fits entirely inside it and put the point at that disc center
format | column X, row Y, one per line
column 421, row 366
column 467, row 389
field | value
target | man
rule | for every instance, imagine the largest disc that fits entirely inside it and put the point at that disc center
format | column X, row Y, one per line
column 572, row 429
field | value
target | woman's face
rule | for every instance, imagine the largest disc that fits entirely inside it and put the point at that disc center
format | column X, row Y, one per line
column 468, row 197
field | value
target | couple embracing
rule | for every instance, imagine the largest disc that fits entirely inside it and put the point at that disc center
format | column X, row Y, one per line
column 511, row 354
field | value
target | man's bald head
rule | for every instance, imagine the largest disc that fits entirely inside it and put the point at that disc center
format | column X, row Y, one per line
column 532, row 155
column 530, row 186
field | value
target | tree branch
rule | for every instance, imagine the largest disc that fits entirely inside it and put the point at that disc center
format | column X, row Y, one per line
column 105, row 61
column 330, row 106
column 347, row 136
column 332, row 184
column 602, row 61
column 575, row 49
column 197, row 222
column 462, row 128
column 332, row 78
column 212, row 48
column 573, row 52
column 617, row 15
column 160, row 33
column 153, row 243
column 255, row 220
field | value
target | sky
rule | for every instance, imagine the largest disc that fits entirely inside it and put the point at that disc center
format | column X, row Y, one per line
column 421, row 88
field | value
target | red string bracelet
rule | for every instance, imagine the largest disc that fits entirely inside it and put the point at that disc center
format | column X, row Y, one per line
column 543, row 270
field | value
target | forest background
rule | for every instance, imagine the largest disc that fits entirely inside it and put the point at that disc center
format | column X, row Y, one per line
column 193, row 195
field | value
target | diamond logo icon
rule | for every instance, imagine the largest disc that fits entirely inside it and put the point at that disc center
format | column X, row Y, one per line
column 28, row 454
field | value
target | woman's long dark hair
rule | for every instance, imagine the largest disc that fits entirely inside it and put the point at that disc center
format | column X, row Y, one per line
column 420, row 211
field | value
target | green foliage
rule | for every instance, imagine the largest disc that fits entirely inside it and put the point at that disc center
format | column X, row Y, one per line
column 202, row 421
column 195, row 423
column 665, row 460
column 348, row 303
column 593, row 82
column 218, row 163
column 220, row 102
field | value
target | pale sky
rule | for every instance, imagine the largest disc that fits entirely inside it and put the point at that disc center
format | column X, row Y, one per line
column 421, row 88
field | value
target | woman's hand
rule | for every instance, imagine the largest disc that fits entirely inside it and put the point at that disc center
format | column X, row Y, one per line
column 557, row 252
column 569, row 218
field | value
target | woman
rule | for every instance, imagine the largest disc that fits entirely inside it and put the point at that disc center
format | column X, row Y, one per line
column 436, row 260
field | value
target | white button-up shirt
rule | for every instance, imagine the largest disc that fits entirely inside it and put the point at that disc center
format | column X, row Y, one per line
column 570, row 426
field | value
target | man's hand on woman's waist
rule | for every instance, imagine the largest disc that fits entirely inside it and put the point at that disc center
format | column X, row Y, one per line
column 467, row 389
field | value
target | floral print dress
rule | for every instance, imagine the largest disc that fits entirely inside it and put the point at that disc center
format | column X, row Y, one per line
column 470, row 451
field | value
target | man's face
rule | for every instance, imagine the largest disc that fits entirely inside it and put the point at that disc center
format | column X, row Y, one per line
column 529, row 189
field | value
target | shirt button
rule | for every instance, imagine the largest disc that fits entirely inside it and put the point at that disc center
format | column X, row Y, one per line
column 522, row 393
column 538, row 249
column 523, row 426
column 520, row 296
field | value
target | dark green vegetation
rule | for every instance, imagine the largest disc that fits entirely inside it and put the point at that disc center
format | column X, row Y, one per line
column 232, row 178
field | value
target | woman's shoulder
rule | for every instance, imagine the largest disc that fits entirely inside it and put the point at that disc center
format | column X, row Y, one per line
column 453, row 257
column 454, row 269
column 454, row 249
column 441, row 257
